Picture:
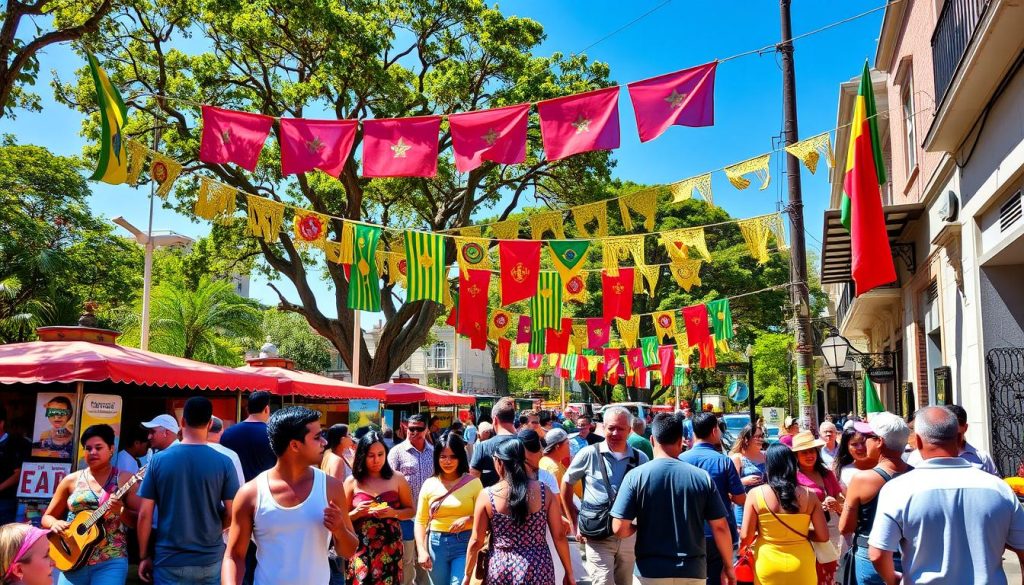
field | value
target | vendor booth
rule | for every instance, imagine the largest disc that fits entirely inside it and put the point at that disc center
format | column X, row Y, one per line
column 405, row 396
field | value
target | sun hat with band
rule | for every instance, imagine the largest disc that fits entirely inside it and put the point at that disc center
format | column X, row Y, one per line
column 805, row 440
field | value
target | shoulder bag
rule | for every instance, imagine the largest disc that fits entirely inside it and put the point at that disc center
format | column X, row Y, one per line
column 824, row 552
column 595, row 520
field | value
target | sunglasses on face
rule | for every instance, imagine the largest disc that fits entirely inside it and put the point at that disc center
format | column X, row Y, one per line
column 51, row 412
column 417, row 429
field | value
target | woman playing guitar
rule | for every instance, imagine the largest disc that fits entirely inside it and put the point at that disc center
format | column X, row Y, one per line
column 84, row 491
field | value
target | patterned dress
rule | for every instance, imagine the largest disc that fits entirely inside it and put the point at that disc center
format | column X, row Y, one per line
column 519, row 552
column 378, row 560
column 83, row 499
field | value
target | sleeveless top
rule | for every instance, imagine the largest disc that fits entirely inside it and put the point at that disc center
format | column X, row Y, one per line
column 781, row 528
column 750, row 467
column 866, row 511
column 292, row 542
column 113, row 545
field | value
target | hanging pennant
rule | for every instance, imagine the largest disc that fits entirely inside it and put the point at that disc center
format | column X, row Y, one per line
column 568, row 256
column 524, row 331
column 698, row 334
column 810, row 151
column 504, row 353
column 265, row 218
column 580, row 123
column 427, row 272
column 447, row 299
column 576, row 289
column 582, row 369
column 667, row 365
column 755, row 232
column 538, row 337
column 546, row 305
column 500, row 323
column 757, row 165
column 571, row 364
column 644, row 202
column 779, row 231
column 397, row 267
column 678, row 242
column 681, row 98
column 621, row 248
column 215, row 202
column 505, row 230
column 597, row 333
column 579, row 337
column 473, row 322
column 473, row 253
column 534, row 361
column 686, row 272
column 617, row 297
column 137, row 154
column 347, row 242
column 629, row 330
column 363, row 283
column 556, row 339
column 635, row 360
column 165, row 171
column 591, row 212
column 230, row 136
column 612, row 364
column 401, row 147
column 665, row 324
column 472, row 231
column 332, row 250
column 649, row 347
column 650, row 274
column 497, row 135
column 721, row 322
column 316, row 144
column 540, row 223
column 683, row 190
column 520, row 265
column 311, row 229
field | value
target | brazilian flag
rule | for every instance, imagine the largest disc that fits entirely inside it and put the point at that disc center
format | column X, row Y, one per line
column 567, row 256
column 113, row 163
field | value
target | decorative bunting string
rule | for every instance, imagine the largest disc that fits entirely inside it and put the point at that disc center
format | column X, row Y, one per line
column 644, row 202
column 216, row 201
column 757, row 165
column 541, row 223
column 591, row 212
column 265, row 218
column 811, row 150
column 683, row 190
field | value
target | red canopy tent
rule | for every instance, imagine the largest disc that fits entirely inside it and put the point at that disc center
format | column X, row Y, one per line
column 306, row 384
column 407, row 393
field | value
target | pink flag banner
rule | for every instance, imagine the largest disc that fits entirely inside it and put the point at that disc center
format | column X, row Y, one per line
column 316, row 144
column 580, row 123
column 524, row 330
column 233, row 137
column 496, row 135
column 534, row 361
column 401, row 147
column 683, row 98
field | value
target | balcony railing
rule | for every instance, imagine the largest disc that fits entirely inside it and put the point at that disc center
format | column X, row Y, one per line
column 845, row 301
column 953, row 33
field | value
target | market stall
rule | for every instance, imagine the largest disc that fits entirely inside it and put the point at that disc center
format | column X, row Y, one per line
column 405, row 396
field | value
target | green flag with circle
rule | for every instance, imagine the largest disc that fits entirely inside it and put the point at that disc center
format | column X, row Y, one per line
column 567, row 256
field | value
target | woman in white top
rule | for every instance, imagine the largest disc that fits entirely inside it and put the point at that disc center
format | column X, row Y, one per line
column 853, row 453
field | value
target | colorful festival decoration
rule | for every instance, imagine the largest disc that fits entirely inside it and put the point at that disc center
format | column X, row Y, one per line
column 216, row 201
column 266, row 217
column 683, row 98
column 698, row 334
column 683, row 190
column 520, row 267
column 617, row 299
column 426, row 271
column 473, row 285
column 524, row 331
column 311, row 229
column 644, row 202
column 568, row 256
column 546, row 305
column 810, row 151
column 112, row 166
column 363, row 284
column 597, row 333
column 233, row 137
column 497, row 135
column 501, row 322
column 721, row 322
column 580, row 123
column 665, row 324
column 401, row 147
column 757, row 165
column 576, row 289
column 316, row 144
column 629, row 330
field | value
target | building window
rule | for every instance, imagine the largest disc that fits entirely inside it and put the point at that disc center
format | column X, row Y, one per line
column 909, row 130
column 437, row 356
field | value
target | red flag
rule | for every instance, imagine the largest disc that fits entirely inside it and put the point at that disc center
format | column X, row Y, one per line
column 597, row 333
column 401, row 147
column 635, row 357
column 582, row 371
column 497, row 135
column 558, row 341
column 617, row 296
column 524, row 330
column 504, row 353
column 316, row 144
column 708, row 359
column 453, row 316
column 520, row 268
column 580, row 123
column 533, row 362
column 667, row 357
column 230, row 136
column 683, row 98
column 612, row 364
column 698, row 333
column 472, row 305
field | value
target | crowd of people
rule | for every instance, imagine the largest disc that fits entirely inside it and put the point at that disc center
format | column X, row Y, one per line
column 529, row 499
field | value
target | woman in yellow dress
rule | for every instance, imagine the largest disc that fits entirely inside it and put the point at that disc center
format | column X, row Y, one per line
column 781, row 519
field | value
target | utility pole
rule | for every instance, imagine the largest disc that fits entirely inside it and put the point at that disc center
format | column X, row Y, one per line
column 798, row 292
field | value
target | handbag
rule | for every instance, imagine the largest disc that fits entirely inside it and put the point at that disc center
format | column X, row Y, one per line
column 483, row 560
column 744, row 567
column 595, row 520
column 824, row 552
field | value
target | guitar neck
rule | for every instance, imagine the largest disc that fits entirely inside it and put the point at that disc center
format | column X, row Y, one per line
column 105, row 507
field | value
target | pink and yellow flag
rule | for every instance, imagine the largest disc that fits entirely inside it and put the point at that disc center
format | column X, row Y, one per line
column 580, row 123
column 497, row 135
column 683, row 98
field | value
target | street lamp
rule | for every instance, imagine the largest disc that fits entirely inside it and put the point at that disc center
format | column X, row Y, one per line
column 834, row 349
column 150, row 242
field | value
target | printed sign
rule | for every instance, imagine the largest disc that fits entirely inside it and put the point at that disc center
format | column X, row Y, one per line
column 364, row 413
column 99, row 409
column 54, row 430
column 773, row 416
column 39, row 479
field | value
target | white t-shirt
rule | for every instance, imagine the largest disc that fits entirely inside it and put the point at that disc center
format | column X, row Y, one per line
column 233, row 457
column 547, row 478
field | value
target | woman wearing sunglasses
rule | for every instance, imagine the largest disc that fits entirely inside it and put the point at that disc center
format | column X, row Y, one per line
column 748, row 457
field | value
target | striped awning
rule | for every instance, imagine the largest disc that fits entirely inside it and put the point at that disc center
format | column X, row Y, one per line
column 835, row 249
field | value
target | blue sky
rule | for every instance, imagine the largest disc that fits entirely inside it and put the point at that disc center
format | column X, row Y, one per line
column 676, row 36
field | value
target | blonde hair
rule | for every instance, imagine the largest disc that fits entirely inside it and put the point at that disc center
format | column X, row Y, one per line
column 11, row 537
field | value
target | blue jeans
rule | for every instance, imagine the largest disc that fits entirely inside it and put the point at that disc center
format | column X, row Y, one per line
column 112, row 572
column 448, row 555
column 866, row 574
column 209, row 575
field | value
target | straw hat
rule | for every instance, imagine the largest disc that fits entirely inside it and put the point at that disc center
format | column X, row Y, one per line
column 805, row 440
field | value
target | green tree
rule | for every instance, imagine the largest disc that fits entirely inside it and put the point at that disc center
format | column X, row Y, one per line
column 296, row 340
column 772, row 357
column 348, row 59
column 50, row 245
column 209, row 323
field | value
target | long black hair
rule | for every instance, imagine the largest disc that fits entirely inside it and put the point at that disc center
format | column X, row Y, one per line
column 843, row 458
column 335, row 434
column 359, row 470
column 451, row 440
column 780, row 470
column 512, row 455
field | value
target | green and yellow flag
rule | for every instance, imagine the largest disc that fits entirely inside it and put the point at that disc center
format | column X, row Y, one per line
column 424, row 254
column 546, row 305
column 363, row 284
column 872, row 404
column 721, row 322
column 567, row 256
column 113, row 164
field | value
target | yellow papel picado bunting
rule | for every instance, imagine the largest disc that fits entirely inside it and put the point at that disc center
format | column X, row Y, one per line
column 265, row 218
column 683, row 190
column 629, row 330
column 216, row 201
column 686, row 271
column 811, row 150
column 591, row 212
column 541, row 223
column 757, row 165
column 644, row 202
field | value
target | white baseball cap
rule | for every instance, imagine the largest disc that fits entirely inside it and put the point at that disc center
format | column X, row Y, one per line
column 164, row 420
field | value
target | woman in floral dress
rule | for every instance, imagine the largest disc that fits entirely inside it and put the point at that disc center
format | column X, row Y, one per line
column 379, row 498
column 517, row 512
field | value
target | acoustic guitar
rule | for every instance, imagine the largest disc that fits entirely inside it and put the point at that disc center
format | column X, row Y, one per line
column 71, row 548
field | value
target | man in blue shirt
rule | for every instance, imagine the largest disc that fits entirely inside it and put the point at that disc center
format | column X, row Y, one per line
column 671, row 502
column 707, row 455
column 194, row 486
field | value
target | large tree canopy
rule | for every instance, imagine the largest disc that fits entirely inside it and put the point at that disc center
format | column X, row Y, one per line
column 345, row 59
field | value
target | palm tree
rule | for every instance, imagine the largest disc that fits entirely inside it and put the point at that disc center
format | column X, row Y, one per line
column 206, row 324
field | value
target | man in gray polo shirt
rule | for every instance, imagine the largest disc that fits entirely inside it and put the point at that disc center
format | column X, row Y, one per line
column 610, row 559
column 950, row 520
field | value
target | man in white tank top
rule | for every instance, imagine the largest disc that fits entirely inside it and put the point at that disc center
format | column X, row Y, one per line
column 291, row 511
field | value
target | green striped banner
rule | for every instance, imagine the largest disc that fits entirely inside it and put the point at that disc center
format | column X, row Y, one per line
column 538, row 340
column 546, row 305
column 363, row 283
column 424, row 254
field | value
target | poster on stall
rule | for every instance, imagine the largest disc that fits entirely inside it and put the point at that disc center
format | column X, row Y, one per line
column 100, row 409
column 389, row 419
column 39, row 479
column 363, row 413
column 53, row 435
column 31, row 512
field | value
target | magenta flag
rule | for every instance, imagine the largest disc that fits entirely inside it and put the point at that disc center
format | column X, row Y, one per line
column 497, row 135
column 524, row 331
column 401, row 147
column 316, row 144
column 580, row 123
column 534, row 361
column 683, row 98
column 235, row 137
column 597, row 333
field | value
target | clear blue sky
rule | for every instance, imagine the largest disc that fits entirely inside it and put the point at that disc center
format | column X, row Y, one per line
column 748, row 108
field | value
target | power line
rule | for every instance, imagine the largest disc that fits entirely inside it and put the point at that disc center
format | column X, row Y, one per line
column 624, row 27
